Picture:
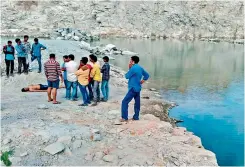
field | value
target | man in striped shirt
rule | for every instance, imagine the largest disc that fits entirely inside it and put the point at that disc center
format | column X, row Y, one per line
column 53, row 72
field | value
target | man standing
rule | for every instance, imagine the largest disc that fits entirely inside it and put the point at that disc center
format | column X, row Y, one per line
column 36, row 53
column 9, row 57
column 105, row 70
column 52, row 72
column 96, row 74
column 134, row 76
column 65, row 59
column 71, row 68
column 83, row 81
column 27, row 46
column 21, row 54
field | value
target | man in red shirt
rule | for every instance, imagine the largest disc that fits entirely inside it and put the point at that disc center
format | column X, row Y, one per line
column 53, row 72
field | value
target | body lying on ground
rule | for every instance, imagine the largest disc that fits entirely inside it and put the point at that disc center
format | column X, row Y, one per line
column 37, row 88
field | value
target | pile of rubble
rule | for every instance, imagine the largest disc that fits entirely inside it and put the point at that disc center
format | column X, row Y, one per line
column 73, row 34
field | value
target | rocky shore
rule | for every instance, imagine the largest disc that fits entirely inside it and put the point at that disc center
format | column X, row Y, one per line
column 41, row 133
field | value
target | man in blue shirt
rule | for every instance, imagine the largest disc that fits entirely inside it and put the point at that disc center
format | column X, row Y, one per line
column 134, row 76
column 21, row 54
column 36, row 53
column 66, row 59
column 9, row 57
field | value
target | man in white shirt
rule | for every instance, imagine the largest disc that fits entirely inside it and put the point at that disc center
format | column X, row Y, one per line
column 71, row 67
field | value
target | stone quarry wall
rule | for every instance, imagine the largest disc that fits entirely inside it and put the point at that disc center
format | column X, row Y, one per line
column 176, row 19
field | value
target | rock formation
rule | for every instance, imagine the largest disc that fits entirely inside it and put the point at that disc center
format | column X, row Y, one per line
column 159, row 19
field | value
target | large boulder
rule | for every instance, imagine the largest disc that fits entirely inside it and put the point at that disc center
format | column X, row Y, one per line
column 76, row 38
column 110, row 47
column 68, row 36
column 63, row 33
column 85, row 45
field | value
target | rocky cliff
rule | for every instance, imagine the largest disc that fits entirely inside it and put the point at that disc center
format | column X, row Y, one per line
column 163, row 19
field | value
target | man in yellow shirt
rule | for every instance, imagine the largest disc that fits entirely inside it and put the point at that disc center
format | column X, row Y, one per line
column 83, row 77
column 96, row 75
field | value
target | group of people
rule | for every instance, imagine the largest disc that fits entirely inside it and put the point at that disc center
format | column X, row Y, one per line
column 26, row 54
column 87, row 76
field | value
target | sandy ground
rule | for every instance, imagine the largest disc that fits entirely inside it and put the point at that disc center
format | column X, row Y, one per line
column 88, row 135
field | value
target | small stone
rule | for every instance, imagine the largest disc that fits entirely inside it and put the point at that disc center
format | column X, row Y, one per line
column 60, row 38
column 15, row 160
column 152, row 89
column 65, row 140
column 42, row 106
column 149, row 163
column 6, row 141
column 98, row 155
column 120, row 147
column 54, row 148
column 89, row 157
column 96, row 137
column 117, row 122
column 121, row 156
column 149, row 145
column 5, row 148
column 148, row 133
column 114, row 112
column 176, row 163
column 76, row 38
column 205, row 158
column 24, row 154
column 96, row 131
column 109, row 158
column 77, row 144
column 67, row 151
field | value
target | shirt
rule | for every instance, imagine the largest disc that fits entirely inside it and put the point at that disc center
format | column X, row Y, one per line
column 90, row 68
column 20, row 50
column 83, row 76
column 105, row 71
column 95, row 73
column 9, row 54
column 52, row 70
column 71, row 68
column 27, row 46
column 36, row 49
column 64, row 73
column 134, row 76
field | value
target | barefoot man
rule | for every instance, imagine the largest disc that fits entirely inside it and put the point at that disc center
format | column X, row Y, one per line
column 37, row 88
column 134, row 76
column 53, row 72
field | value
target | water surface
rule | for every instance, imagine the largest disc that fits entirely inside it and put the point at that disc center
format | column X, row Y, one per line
column 206, row 80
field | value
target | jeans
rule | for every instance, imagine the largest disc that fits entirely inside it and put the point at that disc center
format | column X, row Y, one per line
column 96, row 91
column 8, row 64
column 105, row 89
column 129, row 96
column 65, row 82
column 90, row 90
column 22, row 61
column 84, row 94
column 72, row 85
column 38, row 60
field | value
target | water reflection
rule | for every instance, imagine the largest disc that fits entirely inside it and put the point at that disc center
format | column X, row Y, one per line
column 179, row 65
